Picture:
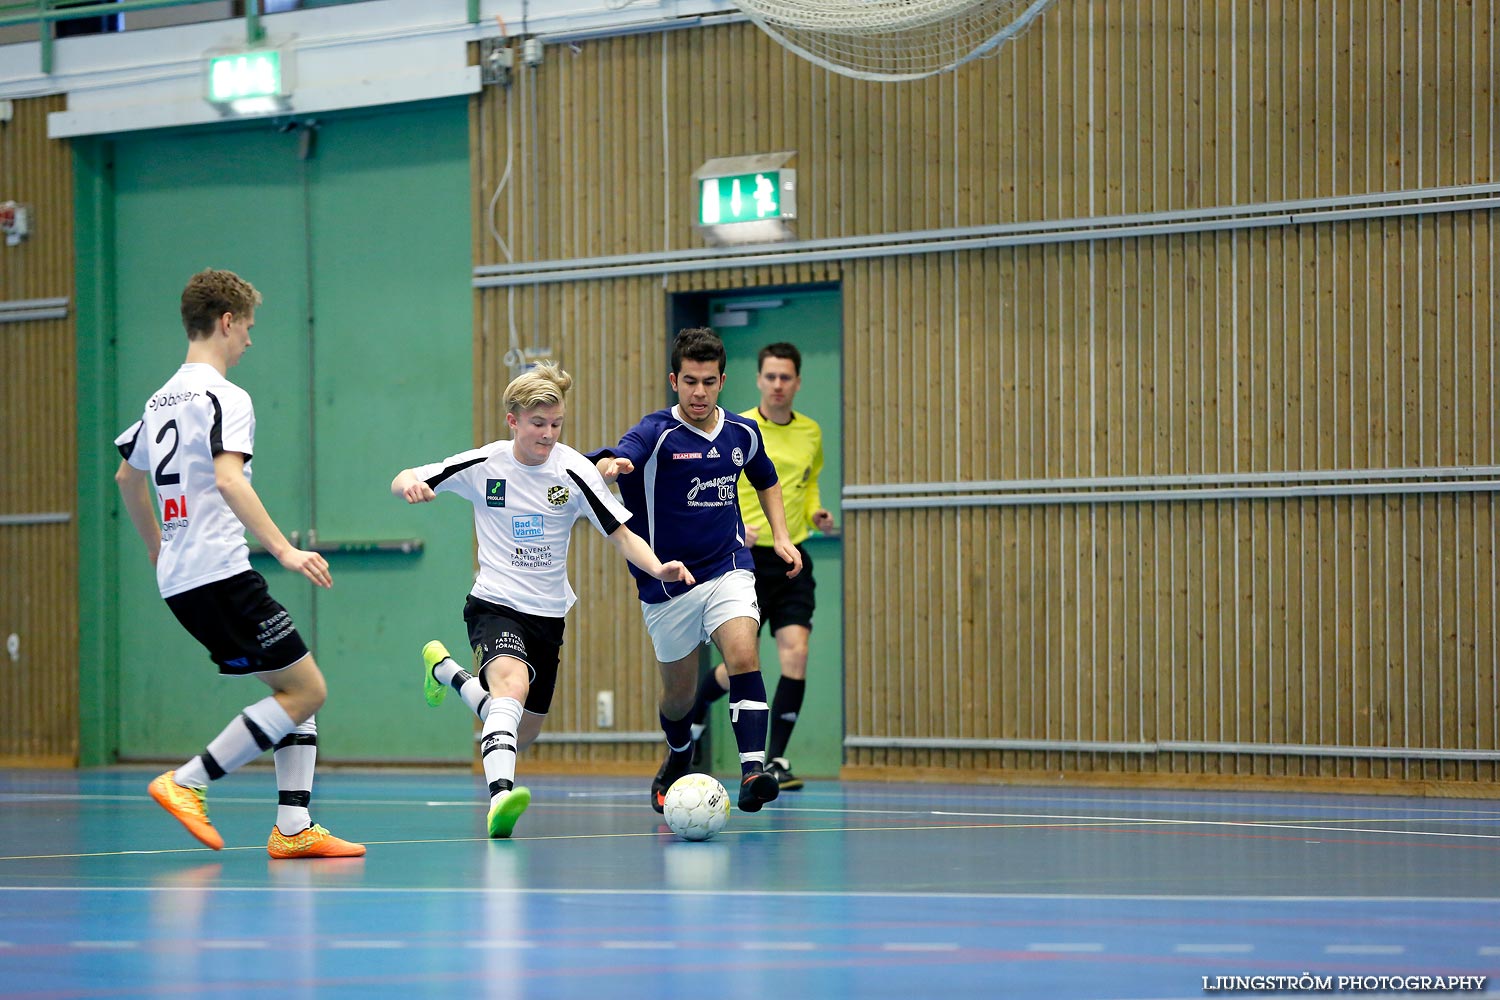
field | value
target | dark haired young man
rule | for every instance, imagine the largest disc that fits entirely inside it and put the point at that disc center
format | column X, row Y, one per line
column 679, row 470
column 795, row 443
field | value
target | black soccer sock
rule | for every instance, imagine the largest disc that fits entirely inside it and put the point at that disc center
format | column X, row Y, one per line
column 679, row 742
column 747, row 713
column 784, row 709
column 708, row 693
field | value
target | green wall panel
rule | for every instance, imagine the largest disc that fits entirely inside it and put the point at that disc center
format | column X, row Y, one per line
column 393, row 357
column 361, row 364
column 184, row 202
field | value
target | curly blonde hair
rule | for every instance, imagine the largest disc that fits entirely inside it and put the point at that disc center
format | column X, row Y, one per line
column 543, row 385
column 210, row 294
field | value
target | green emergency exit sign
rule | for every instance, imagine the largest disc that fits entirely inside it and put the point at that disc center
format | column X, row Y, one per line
column 753, row 197
column 242, row 76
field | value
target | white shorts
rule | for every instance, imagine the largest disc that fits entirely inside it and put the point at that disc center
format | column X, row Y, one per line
column 681, row 624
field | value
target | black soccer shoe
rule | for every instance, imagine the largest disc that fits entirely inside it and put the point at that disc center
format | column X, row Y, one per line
column 665, row 776
column 756, row 789
column 781, row 769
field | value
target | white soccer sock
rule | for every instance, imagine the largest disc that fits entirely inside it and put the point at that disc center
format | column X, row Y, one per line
column 499, row 745
column 296, row 756
column 466, row 684
column 475, row 696
column 254, row 731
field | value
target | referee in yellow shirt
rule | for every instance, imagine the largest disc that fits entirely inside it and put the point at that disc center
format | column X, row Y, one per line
column 794, row 442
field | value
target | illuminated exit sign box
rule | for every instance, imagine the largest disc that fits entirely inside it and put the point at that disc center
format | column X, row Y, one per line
column 249, row 82
column 746, row 199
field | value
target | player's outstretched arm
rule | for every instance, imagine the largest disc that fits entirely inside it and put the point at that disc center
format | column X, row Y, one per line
column 406, row 486
column 229, row 477
column 634, row 548
column 613, row 468
column 781, row 539
column 136, row 493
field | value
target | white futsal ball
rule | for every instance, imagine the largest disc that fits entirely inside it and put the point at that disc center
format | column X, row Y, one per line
column 696, row 807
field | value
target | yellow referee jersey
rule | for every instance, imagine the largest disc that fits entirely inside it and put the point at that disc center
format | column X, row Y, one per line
column 796, row 449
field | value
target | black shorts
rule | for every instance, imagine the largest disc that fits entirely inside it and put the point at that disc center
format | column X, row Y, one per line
column 495, row 630
column 783, row 602
column 240, row 624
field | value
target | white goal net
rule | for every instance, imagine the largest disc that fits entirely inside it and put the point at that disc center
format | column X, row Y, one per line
column 891, row 40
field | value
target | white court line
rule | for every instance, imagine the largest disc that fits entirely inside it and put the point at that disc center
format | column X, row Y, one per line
column 621, row 794
column 1364, row 949
column 1487, row 901
column 1387, row 811
column 1073, row 819
column 499, row 944
column 1081, row 947
column 1466, row 817
column 104, row 945
column 1213, row 949
column 232, row 945
column 1293, row 802
column 777, row 946
column 1489, row 949
column 1455, row 814
column 647, row 945
column 375, row 945
column 919, row 946
column 1300, row 828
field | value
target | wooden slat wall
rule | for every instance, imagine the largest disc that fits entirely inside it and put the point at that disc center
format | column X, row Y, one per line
column 1344, row 621
column 38, row 563
column 1366, row 621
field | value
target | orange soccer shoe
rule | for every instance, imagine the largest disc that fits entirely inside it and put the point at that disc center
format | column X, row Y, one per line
column 314, row 842
column 189, row 805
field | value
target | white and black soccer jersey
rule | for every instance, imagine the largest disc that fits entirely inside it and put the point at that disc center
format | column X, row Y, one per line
column 684, row 487
column 523, row 516
column 197, row 415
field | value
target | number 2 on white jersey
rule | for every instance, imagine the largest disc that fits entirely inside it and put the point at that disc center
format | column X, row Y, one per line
column 163, row 477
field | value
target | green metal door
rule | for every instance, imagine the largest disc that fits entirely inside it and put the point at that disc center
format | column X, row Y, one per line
column 182, row 203
column 361, row 365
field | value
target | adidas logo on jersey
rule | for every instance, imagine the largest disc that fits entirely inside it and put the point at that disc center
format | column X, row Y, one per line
column 713, row 453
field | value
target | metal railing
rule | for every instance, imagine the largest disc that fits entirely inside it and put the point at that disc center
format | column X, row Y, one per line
column 47, row 13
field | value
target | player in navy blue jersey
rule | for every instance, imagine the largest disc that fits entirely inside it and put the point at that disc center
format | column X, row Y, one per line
column 678, row 471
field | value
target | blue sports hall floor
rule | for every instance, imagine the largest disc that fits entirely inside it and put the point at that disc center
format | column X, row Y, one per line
column 839, row 890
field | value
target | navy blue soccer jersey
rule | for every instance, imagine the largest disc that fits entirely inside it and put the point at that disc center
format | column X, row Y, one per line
column 682, row 493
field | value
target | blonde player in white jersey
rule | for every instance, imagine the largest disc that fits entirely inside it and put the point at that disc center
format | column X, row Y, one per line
column 527, row 493
column 188, row 459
